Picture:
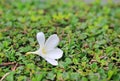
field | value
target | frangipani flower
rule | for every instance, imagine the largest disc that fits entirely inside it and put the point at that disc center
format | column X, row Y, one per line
column 48, row 49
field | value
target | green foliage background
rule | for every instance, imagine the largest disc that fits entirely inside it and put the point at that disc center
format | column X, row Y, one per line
column 89, row 33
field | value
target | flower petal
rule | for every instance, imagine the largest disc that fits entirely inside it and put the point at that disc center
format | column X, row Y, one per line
column 52, row 42
column 55, row 53
column 41, row 39
column 52, row 61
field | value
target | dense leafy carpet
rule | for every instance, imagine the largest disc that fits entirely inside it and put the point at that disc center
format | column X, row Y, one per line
column 89, row 34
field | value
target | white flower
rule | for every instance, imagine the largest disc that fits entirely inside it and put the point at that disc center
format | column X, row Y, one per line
column 48, row 49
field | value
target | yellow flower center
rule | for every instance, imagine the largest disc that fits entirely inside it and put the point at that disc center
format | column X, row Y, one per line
column 44, row 51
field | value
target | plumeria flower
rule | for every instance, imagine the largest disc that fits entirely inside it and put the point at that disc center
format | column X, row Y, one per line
column 48, row 49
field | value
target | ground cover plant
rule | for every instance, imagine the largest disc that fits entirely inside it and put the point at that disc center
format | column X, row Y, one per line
column 89, row 34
